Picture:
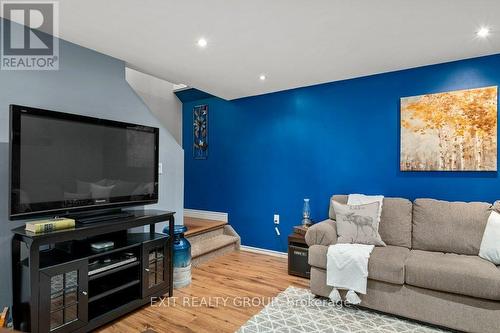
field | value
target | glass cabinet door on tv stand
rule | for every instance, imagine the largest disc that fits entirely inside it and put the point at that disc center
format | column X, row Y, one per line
column 64, row 297
column 155, row 267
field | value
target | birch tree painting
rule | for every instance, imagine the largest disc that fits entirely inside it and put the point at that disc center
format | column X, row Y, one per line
column 451, row 131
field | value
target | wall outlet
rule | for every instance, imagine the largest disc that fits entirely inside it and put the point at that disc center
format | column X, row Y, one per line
column 276, row 219
column 160, row 168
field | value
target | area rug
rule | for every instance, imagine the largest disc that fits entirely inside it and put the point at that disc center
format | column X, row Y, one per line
column 296, row 310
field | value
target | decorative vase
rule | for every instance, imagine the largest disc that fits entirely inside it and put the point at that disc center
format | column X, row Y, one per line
column 306, row 214
column 182, row 257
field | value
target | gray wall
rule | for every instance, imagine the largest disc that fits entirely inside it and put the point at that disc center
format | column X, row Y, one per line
column 87, row 83
column 159, row 96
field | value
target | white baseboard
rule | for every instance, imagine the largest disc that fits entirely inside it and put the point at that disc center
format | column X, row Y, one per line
column 263, row 251
column 207, row 215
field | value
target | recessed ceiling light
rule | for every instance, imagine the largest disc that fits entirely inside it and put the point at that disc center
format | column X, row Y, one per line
column 202, row 42
column 483, row 32
column 262, row 77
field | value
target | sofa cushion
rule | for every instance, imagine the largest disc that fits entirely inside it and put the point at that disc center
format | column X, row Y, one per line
column 317, row 256
column 453, row 273
column 386, row 264
column 395, row 222
column 453, row 227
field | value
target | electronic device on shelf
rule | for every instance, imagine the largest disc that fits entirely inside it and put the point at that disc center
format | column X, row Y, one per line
column 102, row 246
column 110, row 262
column 101, row 216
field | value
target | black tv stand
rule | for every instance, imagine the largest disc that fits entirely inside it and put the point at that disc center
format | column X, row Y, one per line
column 101, row 216
column 61, row 285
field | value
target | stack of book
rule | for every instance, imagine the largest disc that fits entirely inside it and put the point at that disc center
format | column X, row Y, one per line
column 49, row 225
column 301, row 230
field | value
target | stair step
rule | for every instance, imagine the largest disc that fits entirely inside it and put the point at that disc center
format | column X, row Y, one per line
column 200, row 260
column 211, row 244
column 198, row 226
column 193, row 239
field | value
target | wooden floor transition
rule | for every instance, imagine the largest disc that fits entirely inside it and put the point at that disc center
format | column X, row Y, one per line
column 197, row 226
column 234, row 278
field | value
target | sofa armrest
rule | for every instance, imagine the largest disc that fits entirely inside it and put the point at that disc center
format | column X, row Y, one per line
column 322, row 233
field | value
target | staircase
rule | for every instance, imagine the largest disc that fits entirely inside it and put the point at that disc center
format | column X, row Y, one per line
column 209, row 239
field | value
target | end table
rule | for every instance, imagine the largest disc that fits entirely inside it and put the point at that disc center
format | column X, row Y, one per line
column 298, row 253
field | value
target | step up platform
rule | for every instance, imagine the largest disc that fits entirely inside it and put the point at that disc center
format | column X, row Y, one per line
column 210, row 239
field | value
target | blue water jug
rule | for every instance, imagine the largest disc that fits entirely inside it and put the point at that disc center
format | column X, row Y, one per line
column 182, row 257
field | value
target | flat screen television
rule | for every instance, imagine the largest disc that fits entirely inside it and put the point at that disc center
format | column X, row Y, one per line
column 62, row 163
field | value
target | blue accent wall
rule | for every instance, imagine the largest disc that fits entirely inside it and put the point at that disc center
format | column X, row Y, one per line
column 268, row 152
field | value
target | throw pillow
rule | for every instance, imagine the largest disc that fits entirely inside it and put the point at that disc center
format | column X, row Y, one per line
column 490, row 245
column 496, row 206
column 361, row 199
column 358, row 224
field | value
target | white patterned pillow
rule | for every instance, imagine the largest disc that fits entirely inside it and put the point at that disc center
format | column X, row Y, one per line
column 358, row 224
column 490, row 245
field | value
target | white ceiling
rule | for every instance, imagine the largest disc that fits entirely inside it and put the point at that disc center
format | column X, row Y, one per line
column 294, row 42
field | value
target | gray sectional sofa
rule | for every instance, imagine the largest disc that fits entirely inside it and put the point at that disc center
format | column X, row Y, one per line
column 430, row 269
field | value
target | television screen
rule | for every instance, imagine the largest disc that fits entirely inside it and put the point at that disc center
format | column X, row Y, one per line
column 62, row 162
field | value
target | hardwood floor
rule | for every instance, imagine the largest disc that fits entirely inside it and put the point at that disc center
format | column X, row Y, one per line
column 219, row 299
